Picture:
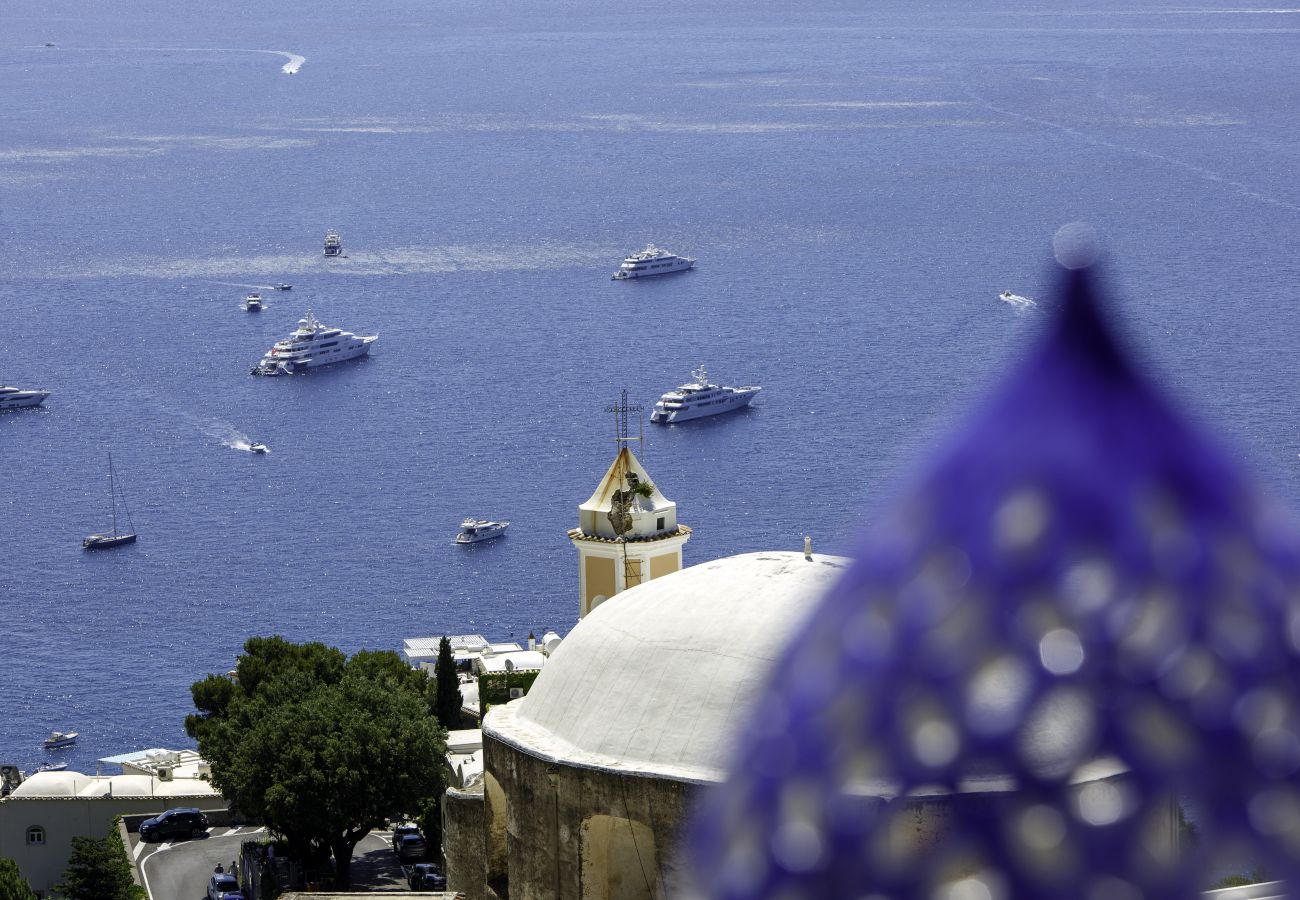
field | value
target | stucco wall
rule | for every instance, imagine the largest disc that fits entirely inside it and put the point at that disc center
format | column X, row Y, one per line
column 666, row 564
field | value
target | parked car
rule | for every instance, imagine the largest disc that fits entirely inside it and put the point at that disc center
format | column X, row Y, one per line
column 410, row 846
column 426, row 877
column 402, row 830
column 181, row 822
column 224, row 887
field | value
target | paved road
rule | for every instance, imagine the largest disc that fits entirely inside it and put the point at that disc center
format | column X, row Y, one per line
column 180, row 871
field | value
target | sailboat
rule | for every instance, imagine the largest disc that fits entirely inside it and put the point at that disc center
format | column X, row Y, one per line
column 114, row 538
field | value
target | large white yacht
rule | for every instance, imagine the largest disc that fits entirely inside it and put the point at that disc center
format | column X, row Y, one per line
column 474, row 530
column 13, row 398
column 311, row 345
column 697, row 399
column 333, row 243
column 652, row 261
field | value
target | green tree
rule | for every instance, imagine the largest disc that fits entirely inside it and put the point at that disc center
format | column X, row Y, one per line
column 12, row 885
column 98, row 869
column 447, row 701
column 321, row 747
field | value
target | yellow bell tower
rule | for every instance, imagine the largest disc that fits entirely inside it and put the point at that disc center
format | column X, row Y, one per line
column 627, row 533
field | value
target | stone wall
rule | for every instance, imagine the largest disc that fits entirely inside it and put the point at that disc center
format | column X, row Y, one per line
column 586, row 834
column 464, row 840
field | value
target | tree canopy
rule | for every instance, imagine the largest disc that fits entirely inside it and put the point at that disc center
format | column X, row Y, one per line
column 98, row 869
column 12, row 885
column 320, row 747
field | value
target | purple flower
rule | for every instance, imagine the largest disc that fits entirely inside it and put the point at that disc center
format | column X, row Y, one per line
column 1075, row 635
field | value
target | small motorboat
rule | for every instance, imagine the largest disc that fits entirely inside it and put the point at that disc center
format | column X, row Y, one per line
column 59, row 739
column 283, row 287
column 52, row 767
column 253, row 303
column 257, row 448
column 474, row 530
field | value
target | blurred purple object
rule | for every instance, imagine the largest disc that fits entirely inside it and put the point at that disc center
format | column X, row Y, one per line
column 1080, row 625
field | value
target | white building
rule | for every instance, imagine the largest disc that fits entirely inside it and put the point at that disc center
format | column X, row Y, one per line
column 43, row 814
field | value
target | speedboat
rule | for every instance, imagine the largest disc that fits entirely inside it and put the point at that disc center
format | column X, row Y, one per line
column 474, row 530
column 698, row 398
column 283, row 287
column 60, row 739
column 333, row 243
column 14, row 398
column 253, row 302
column 312, row 345
column 652, row 261
column 52, row 767
column 257, row 448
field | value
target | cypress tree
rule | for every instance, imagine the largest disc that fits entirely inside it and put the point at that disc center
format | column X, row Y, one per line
column 447, row 701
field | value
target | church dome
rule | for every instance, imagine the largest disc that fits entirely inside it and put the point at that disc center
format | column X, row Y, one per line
column 655, row 680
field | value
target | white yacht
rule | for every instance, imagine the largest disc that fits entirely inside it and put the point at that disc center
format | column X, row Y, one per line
column 697, row 399
column 474, row 530
column 652, row 261
column 253, row 302
column 311, row 345
column 333, row 243
column 14, row 398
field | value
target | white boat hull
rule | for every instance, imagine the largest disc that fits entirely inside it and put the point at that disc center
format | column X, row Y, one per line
column 716, row 407
column 275, row 365
column 667, row 267
column 24, row 399
column 481, row 532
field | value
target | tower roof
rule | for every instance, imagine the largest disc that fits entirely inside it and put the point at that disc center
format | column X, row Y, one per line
column 645, row 511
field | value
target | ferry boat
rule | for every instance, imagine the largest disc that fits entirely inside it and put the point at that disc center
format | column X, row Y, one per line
column 253, row 303
column 652, row 261
column 60, row 739
column 474, row 530
column 697, row 399
column 15, row 398
column 333, row 243
column 312, row 345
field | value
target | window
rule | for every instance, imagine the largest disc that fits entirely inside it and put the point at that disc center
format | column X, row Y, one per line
column 659, row 525
column 35, row 836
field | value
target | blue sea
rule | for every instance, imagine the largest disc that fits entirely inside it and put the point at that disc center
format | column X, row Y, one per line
column 859, row 181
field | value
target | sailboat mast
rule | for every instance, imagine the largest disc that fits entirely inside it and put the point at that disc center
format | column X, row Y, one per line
column 112, row 493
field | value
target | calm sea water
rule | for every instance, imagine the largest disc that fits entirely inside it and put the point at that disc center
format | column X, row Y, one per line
column 859, row 182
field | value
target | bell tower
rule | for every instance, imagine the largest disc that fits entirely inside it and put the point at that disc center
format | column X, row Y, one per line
column 627, row 530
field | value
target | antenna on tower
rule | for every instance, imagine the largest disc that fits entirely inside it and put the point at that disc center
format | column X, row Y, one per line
column 621, row 436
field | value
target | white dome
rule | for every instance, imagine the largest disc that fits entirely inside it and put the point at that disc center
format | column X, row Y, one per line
column 52, row 784
column 655, row 680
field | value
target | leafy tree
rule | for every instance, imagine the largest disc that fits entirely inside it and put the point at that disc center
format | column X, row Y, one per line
column 12, row 885
column 98, row 869
column 320, row 747
column 447, row 701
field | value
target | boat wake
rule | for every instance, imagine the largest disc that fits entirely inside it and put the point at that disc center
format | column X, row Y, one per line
column 291, row 67
column 224, row 433
column 1017, row 301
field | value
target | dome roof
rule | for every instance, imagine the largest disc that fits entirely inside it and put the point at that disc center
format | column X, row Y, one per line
column 654, row 680
column 52, row 784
